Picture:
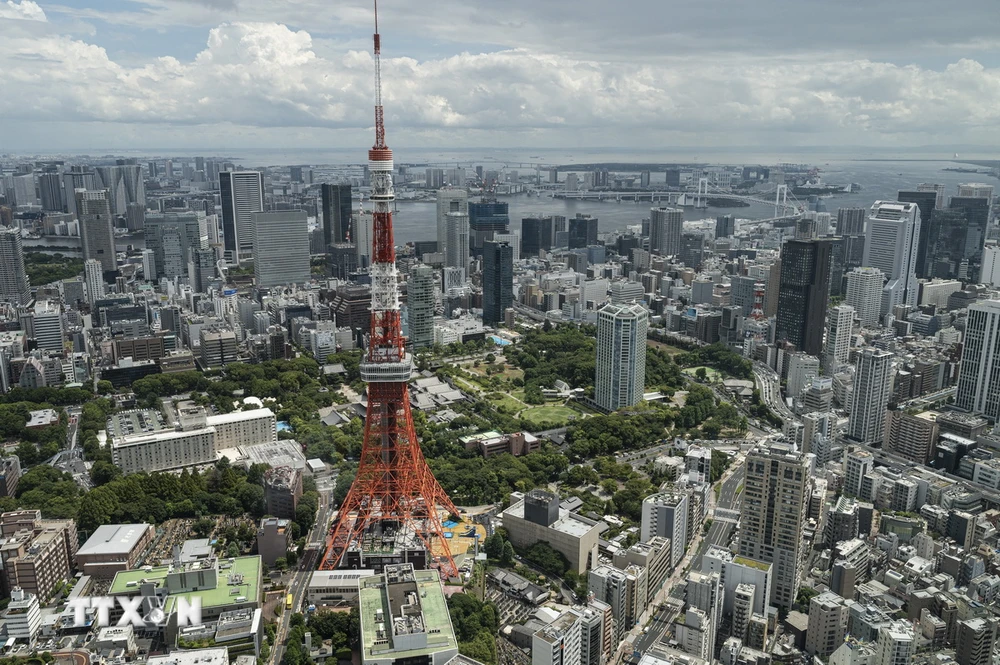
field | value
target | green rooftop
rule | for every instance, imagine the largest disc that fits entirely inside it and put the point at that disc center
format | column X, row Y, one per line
column 249, row 567
column 374, row 596
column 751, row 563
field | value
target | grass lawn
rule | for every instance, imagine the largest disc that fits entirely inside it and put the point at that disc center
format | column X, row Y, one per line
column 558, row 414
column 518, row 394
column 506, row 402
column 712, row 374
column 670, row 350
column 466, row 385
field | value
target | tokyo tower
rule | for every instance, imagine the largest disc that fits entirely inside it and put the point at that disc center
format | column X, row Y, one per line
column 391, row 513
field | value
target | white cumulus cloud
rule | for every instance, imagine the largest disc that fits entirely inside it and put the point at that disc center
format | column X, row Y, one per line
column 26, row 10
column 266, row 75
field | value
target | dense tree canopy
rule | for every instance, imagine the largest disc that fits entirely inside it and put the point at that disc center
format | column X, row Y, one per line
column 564, row 353
column 476, row 624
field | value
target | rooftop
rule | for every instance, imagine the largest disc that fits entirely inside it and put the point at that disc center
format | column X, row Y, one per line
column 751, row 563
column 138, row 421
column 211, row 656
column 113, row 539
column 374, row 602
column 245, row 569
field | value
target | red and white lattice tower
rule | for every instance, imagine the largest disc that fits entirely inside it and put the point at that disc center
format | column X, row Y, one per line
column 394, row 494
column 757, row 311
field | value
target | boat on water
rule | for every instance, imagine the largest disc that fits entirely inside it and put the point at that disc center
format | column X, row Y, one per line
column 817, row 186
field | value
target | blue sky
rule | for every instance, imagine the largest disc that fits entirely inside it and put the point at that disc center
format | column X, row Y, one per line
column 637, row 73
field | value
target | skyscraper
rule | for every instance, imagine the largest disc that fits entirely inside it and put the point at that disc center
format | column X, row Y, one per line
column 947, row 243
column 449, row 200
column 926, row 202
column 803, row 291
column 93, row 277
column 97, row 233
column 621, row 355
column 174, row 237
column 864, row 294
column 891, row 246
column 420, row 306
column 336, row 202
column 872, row 386
column 939, row 192
column 775, row 501
column 977, row 211
column 78, row 177
column 536, row 235
column 487, row 220
column 498, row 281
column 50, row 189
column 14, row 287
column 665, row 228
column 457, row 245
column 851, row 221
column 840, row 323
column 979, row 369
column 725, row 226
column 857, row 464
column 201, row 269
column 242, row 194
column 582, row 231
column 281, row 248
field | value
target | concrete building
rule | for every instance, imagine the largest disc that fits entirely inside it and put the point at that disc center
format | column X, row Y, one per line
column 449, row 200
column 281, row 248
column 773, row 512
column 827, row 624
column 23, row 618
column 47, row 325
column 420, row 303
column 14, row 287
column 274, row 539
column 975, row 641
column 864, row 294
column 217, row 347
column 405, row 619
column 665, row 515
column 113, row 547
column 282, row 490
column 10, row 475
column 621, row 356
column 174, row 237
column 891, row 245
column 141, row 440
column 665, row 228
column 241, row 194
column 93, row 277
column 979, row 370
column 559, row 642
column 537, row 516
column 858, row 463
column 896, row 644
column 97, row 234
column 335, row 588
column 911, row 436
column 456, row 254
column 839, row 329
column 36, row 554
column 873, row 381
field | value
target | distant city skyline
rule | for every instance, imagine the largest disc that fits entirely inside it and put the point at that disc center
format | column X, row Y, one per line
column 249, row 73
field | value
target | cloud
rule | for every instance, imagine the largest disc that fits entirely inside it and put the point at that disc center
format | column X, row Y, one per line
column 26, row 10
column 268, row 76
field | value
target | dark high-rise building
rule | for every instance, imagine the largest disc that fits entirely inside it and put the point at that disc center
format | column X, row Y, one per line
column 977, row 212
column 242, row 194
column 925, row 202
column 498, row 281
column 851, row 221
column 97, row 235
column 342, row 259
column 803, row 292
column 536, row 235
column 673, row 177
column 336, row 202
column 725, row 226
column 947, row 242
column 692, row 251
column 582, row 231
column 486, row 219
column 665, row 228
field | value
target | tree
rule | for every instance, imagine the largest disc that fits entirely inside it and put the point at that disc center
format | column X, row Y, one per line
column 494, row 547
column 507, row 558
column 104, row 472
column 281, row 563
column 104, row 387
column 701, row 373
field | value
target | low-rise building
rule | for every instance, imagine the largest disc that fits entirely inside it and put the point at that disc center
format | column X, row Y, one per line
column 335, row 588
column 23, row 618
column 274, row 539
column 405, row 619
column 113, row 547
column 537, row 517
